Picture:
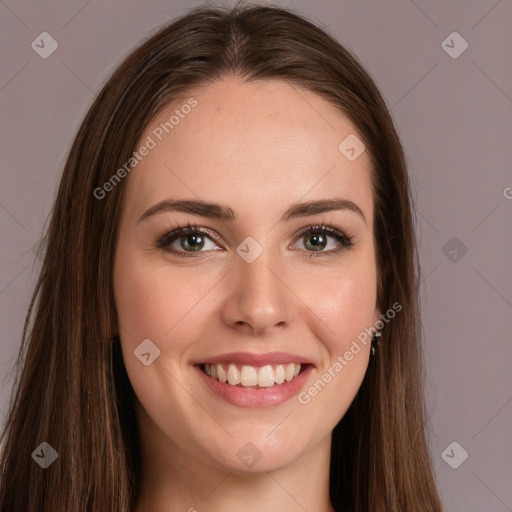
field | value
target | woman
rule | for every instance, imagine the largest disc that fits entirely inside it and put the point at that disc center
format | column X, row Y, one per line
column 227, row 315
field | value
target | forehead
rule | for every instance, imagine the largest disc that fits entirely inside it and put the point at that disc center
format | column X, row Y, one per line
column 258, row 143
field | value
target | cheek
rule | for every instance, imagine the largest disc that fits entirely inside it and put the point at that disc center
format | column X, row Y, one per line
column 350, row 307
column 144, row 304
column 345, row 307
column 159, row 303
column 344, row 304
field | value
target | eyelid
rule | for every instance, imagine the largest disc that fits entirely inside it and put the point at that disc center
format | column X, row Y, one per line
column 346, row 241
column 177, row 231
column 330, row 230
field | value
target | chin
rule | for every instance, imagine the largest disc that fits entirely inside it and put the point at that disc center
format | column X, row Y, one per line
column 258, row 454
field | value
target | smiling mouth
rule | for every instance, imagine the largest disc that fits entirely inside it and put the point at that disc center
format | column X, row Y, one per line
column 256, row 377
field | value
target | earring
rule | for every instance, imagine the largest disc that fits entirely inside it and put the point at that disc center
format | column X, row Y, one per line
column 375, row 341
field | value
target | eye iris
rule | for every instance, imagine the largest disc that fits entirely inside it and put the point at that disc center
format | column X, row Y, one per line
column 197, row 238
column 314, row 238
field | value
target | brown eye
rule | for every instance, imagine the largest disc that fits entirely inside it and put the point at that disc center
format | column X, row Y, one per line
column 194, row 241
column 316, row 239
column 184, row 240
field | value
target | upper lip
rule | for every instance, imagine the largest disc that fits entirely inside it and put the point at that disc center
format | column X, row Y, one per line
column 246, row 358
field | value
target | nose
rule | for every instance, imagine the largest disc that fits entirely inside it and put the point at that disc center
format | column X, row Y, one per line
column 259, row 298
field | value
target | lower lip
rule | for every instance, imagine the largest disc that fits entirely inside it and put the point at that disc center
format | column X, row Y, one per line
column 256, row 397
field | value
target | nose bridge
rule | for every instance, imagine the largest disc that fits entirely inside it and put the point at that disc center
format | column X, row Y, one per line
column 259, row 296
column 258, row 276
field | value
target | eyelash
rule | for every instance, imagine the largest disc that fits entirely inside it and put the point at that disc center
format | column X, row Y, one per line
column 345, row 241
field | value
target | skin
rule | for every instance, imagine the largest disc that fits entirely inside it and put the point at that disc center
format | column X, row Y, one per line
column 256, row 148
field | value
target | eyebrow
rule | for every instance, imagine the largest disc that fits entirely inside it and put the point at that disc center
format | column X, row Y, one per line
column 217, row 211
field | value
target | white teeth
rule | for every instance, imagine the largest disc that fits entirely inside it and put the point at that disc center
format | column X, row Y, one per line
column 233, row 375
column 221, row 373
column 279, row 375
column 266, row 377
column 250, row 376
column 290, row 370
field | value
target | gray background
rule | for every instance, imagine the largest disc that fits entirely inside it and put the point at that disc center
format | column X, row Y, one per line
column 454, row 116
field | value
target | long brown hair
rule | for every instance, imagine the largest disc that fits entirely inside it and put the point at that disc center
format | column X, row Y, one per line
column 72, row 390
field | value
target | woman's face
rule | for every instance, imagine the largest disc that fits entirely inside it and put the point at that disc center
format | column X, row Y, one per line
column 250, row 293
